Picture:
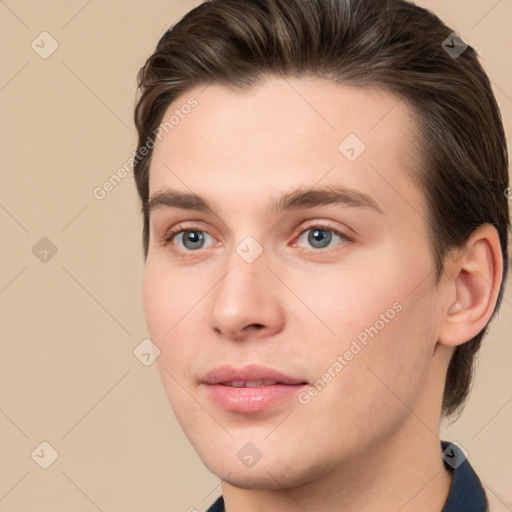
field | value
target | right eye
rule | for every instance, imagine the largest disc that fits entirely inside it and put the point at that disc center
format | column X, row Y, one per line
column 190, row 239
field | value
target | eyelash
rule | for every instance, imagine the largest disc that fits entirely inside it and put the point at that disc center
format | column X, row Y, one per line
column 168, row 238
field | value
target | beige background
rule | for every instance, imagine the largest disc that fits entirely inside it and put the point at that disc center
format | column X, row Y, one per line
column 68, row 374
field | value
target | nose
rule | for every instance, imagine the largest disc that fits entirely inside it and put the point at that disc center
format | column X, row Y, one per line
column 246, row 302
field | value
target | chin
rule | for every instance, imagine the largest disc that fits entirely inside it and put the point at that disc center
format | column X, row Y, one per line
column 271, row 474
column 255, row 482
column 250, row 479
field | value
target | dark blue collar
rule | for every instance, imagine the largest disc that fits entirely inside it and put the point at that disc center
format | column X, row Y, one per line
column 466, row 492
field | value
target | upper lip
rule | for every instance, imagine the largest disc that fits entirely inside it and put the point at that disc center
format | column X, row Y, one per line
column 226, row 373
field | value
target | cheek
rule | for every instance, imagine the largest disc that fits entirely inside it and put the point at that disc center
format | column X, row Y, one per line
column 158, row 305
column 398, row 357
column 167, row 296
column 166, row 302
column 382, row 329
column 377, row 387
column 346, row 304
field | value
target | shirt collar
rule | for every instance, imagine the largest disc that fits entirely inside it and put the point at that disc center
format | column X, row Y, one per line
column 466, row 491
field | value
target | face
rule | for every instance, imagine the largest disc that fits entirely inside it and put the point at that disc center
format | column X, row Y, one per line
column 294, row 300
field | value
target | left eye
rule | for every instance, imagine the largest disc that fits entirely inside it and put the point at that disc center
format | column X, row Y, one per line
column 320, row 237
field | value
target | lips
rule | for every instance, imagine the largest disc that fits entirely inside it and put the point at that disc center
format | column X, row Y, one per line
column 249, row 374
column 249, row 389
column 250, row 383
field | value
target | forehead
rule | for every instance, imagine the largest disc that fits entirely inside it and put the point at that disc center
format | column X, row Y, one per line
column 287, row 133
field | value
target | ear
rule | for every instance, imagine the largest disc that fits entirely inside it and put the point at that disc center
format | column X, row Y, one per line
column 472, row 279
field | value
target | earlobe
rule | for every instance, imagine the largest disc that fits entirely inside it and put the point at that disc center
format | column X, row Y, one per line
column 474, row 279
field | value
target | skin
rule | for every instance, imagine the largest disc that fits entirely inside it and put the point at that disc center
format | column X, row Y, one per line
column 369, row 440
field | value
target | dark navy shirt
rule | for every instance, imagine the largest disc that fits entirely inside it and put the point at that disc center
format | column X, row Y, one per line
column 466, row 492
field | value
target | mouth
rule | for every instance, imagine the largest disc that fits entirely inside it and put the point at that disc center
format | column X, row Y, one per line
column 250, row 383
column 250, row 389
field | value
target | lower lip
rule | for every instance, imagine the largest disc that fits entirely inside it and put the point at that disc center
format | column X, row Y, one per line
column 247, row 400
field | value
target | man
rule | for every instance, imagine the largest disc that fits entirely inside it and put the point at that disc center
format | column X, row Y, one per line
column 325, row 234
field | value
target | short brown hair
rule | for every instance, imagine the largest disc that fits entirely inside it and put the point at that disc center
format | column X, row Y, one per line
column 392, row 44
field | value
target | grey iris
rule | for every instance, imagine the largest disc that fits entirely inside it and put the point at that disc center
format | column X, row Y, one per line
column 196, row 239
column 319, row 236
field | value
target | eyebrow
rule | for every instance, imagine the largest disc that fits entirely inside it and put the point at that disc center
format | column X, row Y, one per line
column 295, row 200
